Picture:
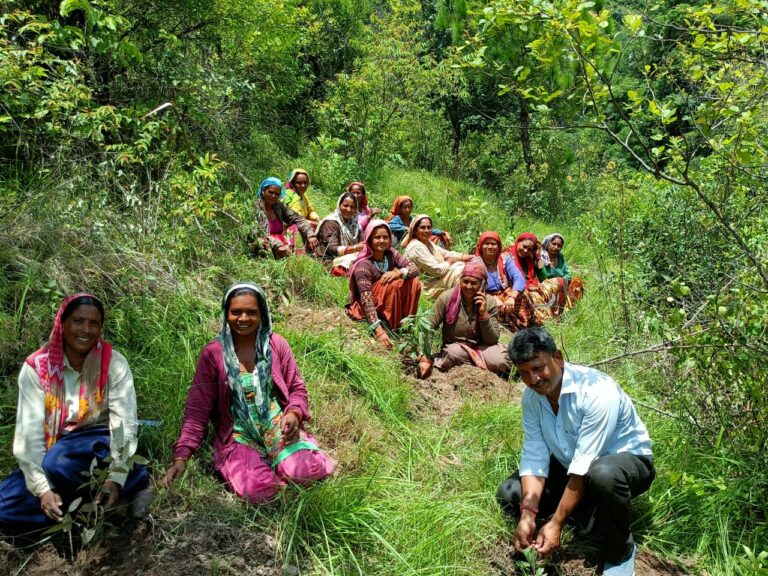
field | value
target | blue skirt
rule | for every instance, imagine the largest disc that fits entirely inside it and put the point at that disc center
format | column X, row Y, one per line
column 63, row 465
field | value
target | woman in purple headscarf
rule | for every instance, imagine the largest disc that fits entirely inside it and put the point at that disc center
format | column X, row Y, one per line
column 470, row 325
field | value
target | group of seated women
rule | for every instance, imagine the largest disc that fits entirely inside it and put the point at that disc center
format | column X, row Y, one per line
column 77, row 405
column 527, row 284
column 474, row 293
column 77, row 402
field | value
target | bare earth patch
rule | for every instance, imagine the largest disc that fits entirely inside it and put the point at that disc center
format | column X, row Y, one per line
column 301, row 317
column 445, row 392
column 575, row 560
column 164, row 547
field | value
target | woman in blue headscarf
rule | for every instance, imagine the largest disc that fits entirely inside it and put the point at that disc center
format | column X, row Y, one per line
column 272, row 220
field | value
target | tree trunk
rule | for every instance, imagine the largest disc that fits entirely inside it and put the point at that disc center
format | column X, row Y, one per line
column 525, row 134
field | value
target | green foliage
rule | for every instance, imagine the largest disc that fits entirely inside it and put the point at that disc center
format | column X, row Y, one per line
column 382, row 109
column 416, row 335
column 753, row 564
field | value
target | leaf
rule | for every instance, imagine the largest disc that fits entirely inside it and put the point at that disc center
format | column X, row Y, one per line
column 75, row 503
column 633, row 22
column 88, row 535
column 69, row 6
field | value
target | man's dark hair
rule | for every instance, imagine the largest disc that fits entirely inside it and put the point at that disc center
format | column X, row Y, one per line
column 529, row 342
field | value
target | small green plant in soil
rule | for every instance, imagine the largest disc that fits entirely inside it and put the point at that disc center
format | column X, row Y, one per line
column 531, row 565
column 90, row 520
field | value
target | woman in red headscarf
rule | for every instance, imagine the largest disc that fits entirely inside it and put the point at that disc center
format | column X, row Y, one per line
column 470, row 325
column 505, row 283
column 384, row 286
column 545, row 293
column 76, row 398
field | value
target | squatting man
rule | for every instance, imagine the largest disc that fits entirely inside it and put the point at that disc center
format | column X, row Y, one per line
column 585, row 451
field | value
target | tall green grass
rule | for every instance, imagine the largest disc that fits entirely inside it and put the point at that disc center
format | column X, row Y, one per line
column 413, row 495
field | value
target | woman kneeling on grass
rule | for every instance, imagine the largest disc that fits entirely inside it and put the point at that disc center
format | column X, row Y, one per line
column 247, row 383
column 75, row 393
column 272, row 221
column 384, row 286
column 340, row 236
column 441, row 267
column 470, row 326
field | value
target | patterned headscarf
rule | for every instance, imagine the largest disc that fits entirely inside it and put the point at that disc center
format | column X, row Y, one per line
column 271, row 181
column 367, row 252
column 545, row 244
column 530, row 263
column 48, row 363
column 491, row 235
column 350, row 229
column 292, row 176
column 474, row 268
column 395, row 210
column 412, row 232
column 262, row 373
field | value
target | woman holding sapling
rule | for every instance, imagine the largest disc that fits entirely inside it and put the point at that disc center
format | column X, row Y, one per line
column 384, row 286
column 76, row 403
column 248, row 385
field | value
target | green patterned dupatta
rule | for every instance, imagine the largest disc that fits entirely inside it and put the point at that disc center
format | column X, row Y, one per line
column 255, row 410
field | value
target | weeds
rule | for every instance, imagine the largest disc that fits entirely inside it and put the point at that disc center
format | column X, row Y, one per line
column 413, row 496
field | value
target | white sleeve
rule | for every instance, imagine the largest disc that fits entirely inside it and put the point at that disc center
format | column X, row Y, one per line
column 29, row 437
column 122, row 412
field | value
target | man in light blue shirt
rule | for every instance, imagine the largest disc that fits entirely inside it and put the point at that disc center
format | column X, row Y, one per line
column 585, row 447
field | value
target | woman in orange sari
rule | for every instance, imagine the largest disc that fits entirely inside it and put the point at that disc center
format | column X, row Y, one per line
column 384, row 286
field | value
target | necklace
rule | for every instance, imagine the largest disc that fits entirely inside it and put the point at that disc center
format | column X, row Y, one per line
column 382, row 266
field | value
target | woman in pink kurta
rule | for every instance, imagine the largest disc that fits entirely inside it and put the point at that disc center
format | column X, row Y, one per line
column 247, row 383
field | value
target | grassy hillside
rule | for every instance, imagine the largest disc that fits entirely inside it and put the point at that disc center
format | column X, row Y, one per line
column 419, row 462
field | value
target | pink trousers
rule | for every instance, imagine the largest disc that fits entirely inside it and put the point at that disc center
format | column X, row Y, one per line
column 249, row 476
